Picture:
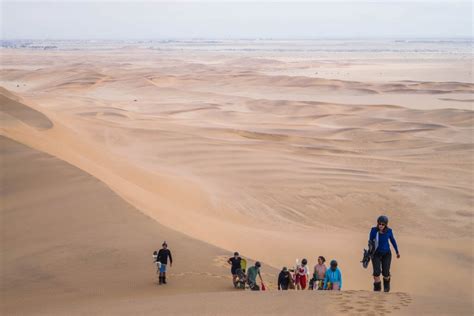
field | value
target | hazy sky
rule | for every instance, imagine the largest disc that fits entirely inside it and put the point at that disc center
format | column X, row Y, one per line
column 244, row 19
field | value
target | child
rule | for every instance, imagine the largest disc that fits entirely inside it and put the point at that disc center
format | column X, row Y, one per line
column 319, row 273
column 301, row 275
column 333, row 277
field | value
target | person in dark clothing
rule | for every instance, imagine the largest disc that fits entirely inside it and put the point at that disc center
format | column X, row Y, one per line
column 284, row 279
column 163, row 255
column 235, row 263
column 382, row 257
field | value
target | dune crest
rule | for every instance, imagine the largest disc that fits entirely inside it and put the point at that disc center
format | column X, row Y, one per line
column 12, row 109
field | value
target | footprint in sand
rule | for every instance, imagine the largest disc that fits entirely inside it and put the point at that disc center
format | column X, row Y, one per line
column 221, row 261
column 364, row 303
column 345, row 309
column 205, row 274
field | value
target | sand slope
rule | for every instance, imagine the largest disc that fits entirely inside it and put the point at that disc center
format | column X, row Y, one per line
column 67, row 238
column 278, row 167
column 80, row 249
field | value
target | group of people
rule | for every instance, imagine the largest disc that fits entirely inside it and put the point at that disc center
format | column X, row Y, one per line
column 323, row 278
column 297, row 278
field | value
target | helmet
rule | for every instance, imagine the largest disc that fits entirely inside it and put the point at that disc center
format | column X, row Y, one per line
column 257, row 264
column 333, row 263
column 382, row 219
column 304, row 261
column 236, row 253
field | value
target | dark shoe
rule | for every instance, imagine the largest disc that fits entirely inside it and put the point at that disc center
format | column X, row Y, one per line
column 386, row 285
column 164, row 280
column 161, row 280
column 377, row 286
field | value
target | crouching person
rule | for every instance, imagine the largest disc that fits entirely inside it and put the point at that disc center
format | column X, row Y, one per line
column 252, row 276
column 333, row 278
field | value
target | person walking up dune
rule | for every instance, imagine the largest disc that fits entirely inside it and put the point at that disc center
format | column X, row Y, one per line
column 163, row 256
column 235, row 263
column 382, row 257
column 319, row 274
column 284, row 279
column 252, row 276
column 301, row 275
column 333, row 277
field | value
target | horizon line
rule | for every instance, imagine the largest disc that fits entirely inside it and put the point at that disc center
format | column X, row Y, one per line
column 244, row 38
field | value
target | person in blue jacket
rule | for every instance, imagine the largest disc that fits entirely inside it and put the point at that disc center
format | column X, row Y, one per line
column 333, row 277
column 382, row 257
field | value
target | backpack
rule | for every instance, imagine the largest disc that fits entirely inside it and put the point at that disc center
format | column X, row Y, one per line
column 243, row 264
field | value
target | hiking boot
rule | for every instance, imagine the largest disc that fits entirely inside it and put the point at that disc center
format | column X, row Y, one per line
column 386, row 285
column 377, row 286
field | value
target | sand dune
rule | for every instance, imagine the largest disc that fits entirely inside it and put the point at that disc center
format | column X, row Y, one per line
column 215, row 149
column 18, row 111
column 99, row 264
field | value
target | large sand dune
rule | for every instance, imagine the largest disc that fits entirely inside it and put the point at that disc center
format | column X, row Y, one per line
column 98, row 264
column 276, row 166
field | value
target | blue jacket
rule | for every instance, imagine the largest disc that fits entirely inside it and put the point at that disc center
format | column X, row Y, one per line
column 383, row 245
column 333, row 277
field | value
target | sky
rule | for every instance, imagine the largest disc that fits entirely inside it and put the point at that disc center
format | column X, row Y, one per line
column 134, row 20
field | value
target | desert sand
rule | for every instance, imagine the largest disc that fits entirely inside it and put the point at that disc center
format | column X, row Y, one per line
column 106, row 152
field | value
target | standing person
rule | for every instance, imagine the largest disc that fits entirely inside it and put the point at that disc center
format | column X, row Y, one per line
column 333, row 277
column 302, row 275
column 284, row 279
column 235, row 263
column 163, row 255
column 382, row 257
column 252, row 276
column 319, row 273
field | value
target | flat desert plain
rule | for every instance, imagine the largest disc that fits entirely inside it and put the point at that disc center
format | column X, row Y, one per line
column 280, row 150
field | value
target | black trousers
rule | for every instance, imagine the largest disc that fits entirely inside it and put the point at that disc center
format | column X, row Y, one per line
column 381, row 264
column 284, row 287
